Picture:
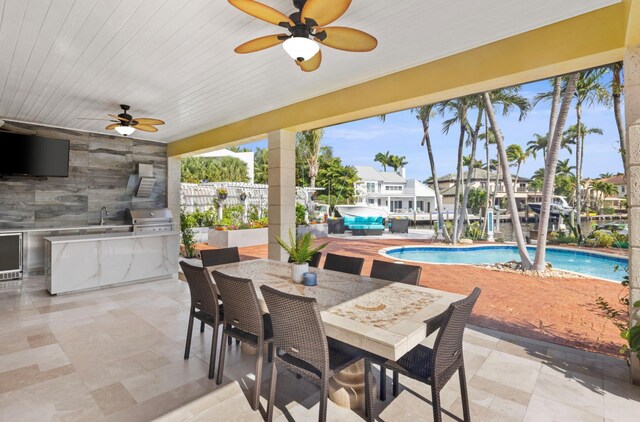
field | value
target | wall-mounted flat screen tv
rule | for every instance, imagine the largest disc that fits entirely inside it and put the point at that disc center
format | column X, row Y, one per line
column 29, row 155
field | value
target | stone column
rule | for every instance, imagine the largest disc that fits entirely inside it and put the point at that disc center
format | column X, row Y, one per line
column 173, row 189
column 282, row 189
column 632, row 117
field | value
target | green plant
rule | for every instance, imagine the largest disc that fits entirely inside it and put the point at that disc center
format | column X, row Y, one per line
column 301, row 212
column 600, row 239
column 186, row 223
column 300, row 250
column 608, row 211
column 474, row 231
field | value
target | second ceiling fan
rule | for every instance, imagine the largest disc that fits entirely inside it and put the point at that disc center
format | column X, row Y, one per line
column 307, row 30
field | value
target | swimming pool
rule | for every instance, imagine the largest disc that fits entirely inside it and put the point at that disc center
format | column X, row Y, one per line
column 583, row 262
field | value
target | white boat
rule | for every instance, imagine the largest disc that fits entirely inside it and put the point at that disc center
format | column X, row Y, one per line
column 559, row 206
column 362, row 210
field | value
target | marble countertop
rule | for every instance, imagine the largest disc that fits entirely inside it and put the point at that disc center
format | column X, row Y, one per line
column 55, row 228
column 107, row 236
column 380, row 316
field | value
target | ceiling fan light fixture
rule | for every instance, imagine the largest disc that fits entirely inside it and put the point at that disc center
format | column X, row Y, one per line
column 125, row 130
column 301, row 48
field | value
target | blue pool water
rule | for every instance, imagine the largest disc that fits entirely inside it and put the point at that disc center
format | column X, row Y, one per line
column 582, row 262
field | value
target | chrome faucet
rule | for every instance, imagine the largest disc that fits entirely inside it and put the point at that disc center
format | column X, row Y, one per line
column 104, row 212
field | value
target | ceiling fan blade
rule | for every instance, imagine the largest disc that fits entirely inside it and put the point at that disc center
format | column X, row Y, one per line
column 312, row 64
column 348, row 39
column 122, row 119
column 323, row 12
column 148, row 121
column 113, row 126
column 259, row 44
column 261, row 11
column 145, row 128
column 88, row 118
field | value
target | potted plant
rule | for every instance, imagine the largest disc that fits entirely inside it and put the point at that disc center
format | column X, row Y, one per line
column 300, row 252
column 222, row 194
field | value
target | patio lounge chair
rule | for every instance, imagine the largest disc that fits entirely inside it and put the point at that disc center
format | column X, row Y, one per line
column 399, row 225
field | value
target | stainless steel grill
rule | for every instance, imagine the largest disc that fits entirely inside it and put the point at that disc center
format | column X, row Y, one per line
column 151, row 220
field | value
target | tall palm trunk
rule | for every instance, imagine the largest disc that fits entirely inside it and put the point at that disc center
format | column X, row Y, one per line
column 488, row 181
column 508, row 183
column 456, row 203
column 579, row 147
column 467, row 186
column 617, row 110
column 426, row 140
column 555, row 143
column 555, row 103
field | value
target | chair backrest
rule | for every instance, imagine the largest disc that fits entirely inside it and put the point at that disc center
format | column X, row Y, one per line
column 344, row 264
column 201, row 288
column 315, row 259
column 447, row 351
column 219, row 256
column 297, row 327
column 402, row 273
column 241, row 306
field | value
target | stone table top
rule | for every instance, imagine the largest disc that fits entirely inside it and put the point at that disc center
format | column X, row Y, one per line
column 379, row 316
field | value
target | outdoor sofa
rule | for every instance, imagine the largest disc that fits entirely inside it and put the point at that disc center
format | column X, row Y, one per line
column 364, row 226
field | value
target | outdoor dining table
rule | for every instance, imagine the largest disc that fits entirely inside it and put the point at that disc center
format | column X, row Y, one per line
column 379, row 316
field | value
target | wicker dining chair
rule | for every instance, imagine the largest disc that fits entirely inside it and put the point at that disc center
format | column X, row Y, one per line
column 204, row 306
column 315, row 260
column 301, row 345
column 244, row 321
column 436, row 366
column 344, row 264
column 221, row 256
column 402, row 273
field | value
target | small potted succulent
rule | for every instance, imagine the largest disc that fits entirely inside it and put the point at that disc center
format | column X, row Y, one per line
column 222, row 194
column 300, row 252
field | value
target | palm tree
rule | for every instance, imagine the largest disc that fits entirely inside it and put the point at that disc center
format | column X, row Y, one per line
column 516, row 157
column 261, row 165
column 570, row 136
column 397, row 162
column 616, row 94
column 424, row 114
column 309, row 144
column 383, row 159
column 511, row 199
column 556, row 129
column 604, row 190
column 605, row 175
column 537, row 144
column 564, row 169
column 466, row 161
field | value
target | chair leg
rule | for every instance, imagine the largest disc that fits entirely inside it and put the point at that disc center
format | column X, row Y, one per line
column 229, row 341
column 256, row 390
column 435, row 402
column 237, row 342
column 214, row 348
column 396, row 383
column 465, row 396
column 270, row 353
column 187, row 346
column 383, row 383
column 369, row 382
column 272, row 391
column 221, row 363
column 322, row 415
column 202, row 326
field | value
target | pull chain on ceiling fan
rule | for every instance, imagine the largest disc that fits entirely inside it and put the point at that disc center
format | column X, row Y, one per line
column 307, row 30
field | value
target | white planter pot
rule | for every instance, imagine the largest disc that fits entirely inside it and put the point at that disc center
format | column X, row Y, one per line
column 297, row 271
column 240, row 238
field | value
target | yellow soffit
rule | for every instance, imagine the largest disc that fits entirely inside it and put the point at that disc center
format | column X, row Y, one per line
column 588, row 40
column 632, row 19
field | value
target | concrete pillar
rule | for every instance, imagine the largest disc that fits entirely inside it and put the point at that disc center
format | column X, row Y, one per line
column 632, row 117
column 282, row 189
column 173, row 189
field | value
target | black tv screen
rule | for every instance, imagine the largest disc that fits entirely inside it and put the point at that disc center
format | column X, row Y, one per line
column 28, row 155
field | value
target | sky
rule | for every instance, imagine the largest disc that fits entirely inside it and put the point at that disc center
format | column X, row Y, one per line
column 358, row 142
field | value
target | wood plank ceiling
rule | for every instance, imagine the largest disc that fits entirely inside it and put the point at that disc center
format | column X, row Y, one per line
column 174, row 60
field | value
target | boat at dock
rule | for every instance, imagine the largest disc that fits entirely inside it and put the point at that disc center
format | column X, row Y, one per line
column 559, row 207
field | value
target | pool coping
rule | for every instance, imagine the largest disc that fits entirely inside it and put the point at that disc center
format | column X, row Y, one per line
column 383, row 252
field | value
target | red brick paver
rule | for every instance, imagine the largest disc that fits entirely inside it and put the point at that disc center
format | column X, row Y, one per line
column 557, row 310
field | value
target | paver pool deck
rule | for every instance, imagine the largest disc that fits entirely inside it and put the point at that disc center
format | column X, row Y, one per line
column 558, row 310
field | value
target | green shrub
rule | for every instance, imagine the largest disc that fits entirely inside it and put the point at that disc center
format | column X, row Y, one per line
column 301, row 210
column 474, row 231
column 600, row 239
column 609, row 211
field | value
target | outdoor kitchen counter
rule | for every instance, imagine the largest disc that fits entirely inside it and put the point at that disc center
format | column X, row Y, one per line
column 91, row 261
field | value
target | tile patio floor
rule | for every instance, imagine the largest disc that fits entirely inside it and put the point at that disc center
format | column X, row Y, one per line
column 558, row 310
column 116, row 355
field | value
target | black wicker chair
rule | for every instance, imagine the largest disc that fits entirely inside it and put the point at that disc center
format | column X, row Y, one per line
column 244, row 321
column 315, row 260
column 212, row 257
column 344, row 264
column 301, row 345
column 402, row 273
column 204, row 306
column 436, row 366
